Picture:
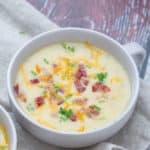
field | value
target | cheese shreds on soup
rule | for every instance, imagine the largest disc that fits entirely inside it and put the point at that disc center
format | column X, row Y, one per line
column 3, row 138
column 72, row 86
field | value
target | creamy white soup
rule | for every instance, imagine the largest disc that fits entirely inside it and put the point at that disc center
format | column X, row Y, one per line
column 3, row 138
column 72, row 86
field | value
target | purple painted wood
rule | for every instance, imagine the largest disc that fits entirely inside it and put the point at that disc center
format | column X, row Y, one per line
column 124, row 20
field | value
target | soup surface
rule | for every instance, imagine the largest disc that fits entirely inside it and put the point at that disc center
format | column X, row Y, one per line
column 72, row 86
column 3, row 138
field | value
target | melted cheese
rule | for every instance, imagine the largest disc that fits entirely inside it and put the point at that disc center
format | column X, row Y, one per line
column 3, row 138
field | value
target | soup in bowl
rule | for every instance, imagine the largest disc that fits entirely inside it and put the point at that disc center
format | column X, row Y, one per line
column 8, row 137
column 3, row 138
column 72, row 87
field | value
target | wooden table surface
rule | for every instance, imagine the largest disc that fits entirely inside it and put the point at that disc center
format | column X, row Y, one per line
column 124, row 20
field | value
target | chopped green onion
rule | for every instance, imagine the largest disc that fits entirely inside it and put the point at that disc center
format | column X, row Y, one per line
column 88, row 66
column 30, row 107
column 56, row 88
column 65, row 114
column 64, row 45
column 44, row 92
column 21, row 32
column 68, row 96
column 96, row 107
column 72, row 64
column 41, row 86
column 101, row 101
column 46, row 61
column 101, row 76
column 33, row 73
column 68, row 49
column 101, row 118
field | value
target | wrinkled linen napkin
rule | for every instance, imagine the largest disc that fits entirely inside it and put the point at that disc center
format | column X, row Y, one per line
column 19, row 22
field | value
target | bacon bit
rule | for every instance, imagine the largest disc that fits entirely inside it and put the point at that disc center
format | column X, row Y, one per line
column 81, row 101
column 22, row 98
column 37, row 68
column 81, row 79
column 34, row 81
column 73, row 118
column 81, row 72
column 39, row 101
column 105, row 88
column 16, row 89
column 91, row 112
column 100, row 87
column 55, row 65
column 79, row 86
column 84, row 81
column 60, row 102
column 61, row 91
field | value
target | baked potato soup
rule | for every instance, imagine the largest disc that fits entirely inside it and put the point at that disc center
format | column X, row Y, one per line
column 3, row 138
column 72, row 86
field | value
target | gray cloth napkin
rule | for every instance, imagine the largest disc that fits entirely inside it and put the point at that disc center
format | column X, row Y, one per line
column 19, row 22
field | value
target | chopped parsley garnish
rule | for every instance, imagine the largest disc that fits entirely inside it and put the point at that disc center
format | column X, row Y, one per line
column 65, row 114
column 44, row 92
column 46, row 61
column 68, row 49
column 101, row 101
column 33, row 73
column 72, row 64
column 41, row 86
column 88, row 66
column 101, row 118
column 30, row 107
column 68, row 96
column 96, row 107
column 21, row 32
column 101, row 76
column 64, row 45
column 56, row 88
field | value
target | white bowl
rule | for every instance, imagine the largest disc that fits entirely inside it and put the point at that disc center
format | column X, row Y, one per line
column 70, row 139
column 7, row 122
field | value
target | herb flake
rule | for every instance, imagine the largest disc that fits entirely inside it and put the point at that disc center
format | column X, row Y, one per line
column 33, row 73
column 46, row 61
column 101, row 76
column 96, row 107
column 68, row 96
column 65, row 114
column 68, row 49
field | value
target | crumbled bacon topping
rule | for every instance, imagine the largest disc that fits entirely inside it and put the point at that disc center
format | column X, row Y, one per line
column 34, row 81
column 22, row 97
column 39, row 101
column 91, row 112
column 81, row 80
column 97, row 87
column 16, row 89
column 79, row 86
column 73, row 118
column 81, row 101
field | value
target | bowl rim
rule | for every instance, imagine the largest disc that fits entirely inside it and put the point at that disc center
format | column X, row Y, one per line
column 42, row 35
column 12, row 127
